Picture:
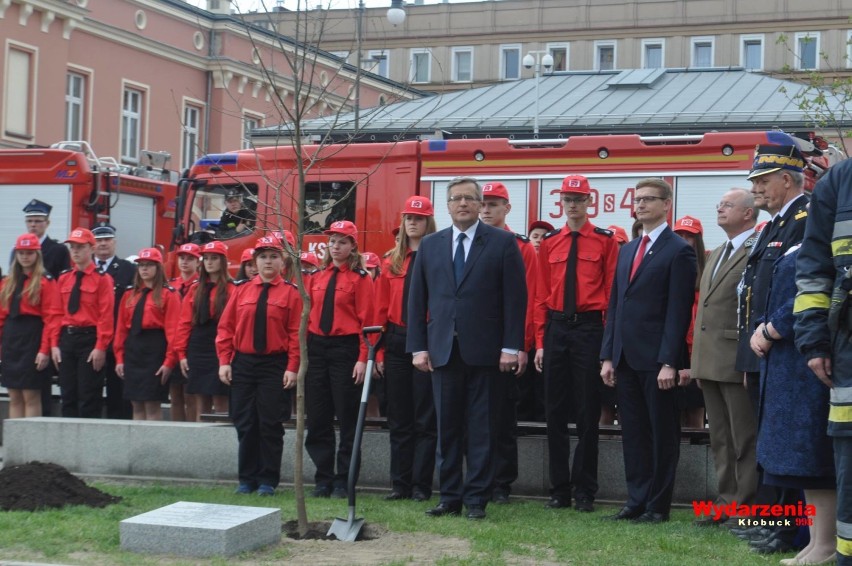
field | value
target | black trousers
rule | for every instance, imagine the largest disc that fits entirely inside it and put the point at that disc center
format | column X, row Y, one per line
column 466, row 408
column 531, row 398
column 505, row 389
column 331, row 392
column 258, row 407
column 650, row 432
column 116, row 406
column 82, row 387
column 572, row 376
column 411, row 418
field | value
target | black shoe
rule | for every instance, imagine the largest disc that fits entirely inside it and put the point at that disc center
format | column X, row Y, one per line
column 625, row 514
column 444, row 509
column 339, row 493
column 584, row 505
column 321, row 491
column 651, row 517
column 558, row 503
column 476, row 512
column 751, row 533
column 500, row 498
column 420, row 495
column 772, row 546
column 396, row 496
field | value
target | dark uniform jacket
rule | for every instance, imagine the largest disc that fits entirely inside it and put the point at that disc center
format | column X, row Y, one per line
column 55, row 256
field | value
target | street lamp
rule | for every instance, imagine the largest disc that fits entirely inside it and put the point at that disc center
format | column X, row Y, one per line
column 537, row 60
column 395, row 15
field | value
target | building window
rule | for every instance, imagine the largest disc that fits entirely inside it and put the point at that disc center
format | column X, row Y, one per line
column 559, row 52
column 702, row 52
column 342, row 54
column 510, row 62
column 19, row 92
column 191, row 138
column 807, row 51
column 653, row 53
column 605, row 55
column 751, row 52
column 131, row 125
column 849, row 49
column 462, row 71
column 421, row 66
column 250, row 123
column 377, row 62
column 75, row 101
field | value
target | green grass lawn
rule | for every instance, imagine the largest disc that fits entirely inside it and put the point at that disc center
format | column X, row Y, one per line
column 523, row 532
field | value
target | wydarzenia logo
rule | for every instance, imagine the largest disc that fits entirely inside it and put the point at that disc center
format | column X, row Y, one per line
column 757, row 515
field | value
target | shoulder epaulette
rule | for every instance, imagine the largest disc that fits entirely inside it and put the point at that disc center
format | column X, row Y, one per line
column 239, row 282
column 292, row 284
column 750, row 242
column 604, row 231
column 168, row 287
column 47, row 276
column 128, row 288
column 521, row 237
column 173, row 279
column 69, row 270
column 360, row 272
column 553, row 233
column 801, row 213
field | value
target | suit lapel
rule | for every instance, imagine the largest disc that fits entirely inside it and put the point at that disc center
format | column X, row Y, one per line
column 480, row 239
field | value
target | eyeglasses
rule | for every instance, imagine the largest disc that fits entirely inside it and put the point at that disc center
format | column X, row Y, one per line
column 574, row 201
column 640, row 200
column 725, row 205
column 460, row 198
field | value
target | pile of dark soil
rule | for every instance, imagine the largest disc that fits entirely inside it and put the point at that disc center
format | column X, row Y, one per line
column 318, row 530
column 35, row 486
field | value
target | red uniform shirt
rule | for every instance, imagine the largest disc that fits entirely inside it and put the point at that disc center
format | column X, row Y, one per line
column 97, row 299
column 531, row 263
column 353, row 303
column 154, row 317
column 49, row 308
column 184, row 324
column 388, row 294
column 597, row 254
column 182, row 285
column 283, row 311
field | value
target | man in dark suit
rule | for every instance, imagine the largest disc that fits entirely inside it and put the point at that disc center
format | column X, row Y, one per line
column 466, row 308
column 122, row 272
column 733, row 428
column 644, row 345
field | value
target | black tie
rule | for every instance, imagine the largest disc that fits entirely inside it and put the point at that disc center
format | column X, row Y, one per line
column 458, row 259
column 327, row 316
column 204, row 305
column 101, row 265
column 406, row 286
column 74, row 301
column 725, row 255
column 15, row 307
column 569, row 302
column 260, row 320
column 138, row 313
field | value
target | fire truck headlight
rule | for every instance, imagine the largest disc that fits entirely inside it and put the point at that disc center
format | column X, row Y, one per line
column 727, row 150
column 479, row 155
column 603, row 153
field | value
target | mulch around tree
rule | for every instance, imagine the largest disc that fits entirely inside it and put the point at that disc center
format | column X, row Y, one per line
column 36, row 485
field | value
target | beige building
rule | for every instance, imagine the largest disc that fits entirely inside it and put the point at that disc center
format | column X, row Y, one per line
column 456, row 46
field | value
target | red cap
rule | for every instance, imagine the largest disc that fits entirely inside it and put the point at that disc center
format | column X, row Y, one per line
column 248, row 255
column 344, row 228
column 27, row 242
column 309, row 257
column 421, row 206
column 495, row 190
column 576, row 184
column 190, row 249
column 371, row 260
column 271, row 242
column 215, row 247
column 541, row 224
column 689, row 224
column 150, row 254
column 81, row 236
column 620, row 233
column 395, row 231
column 285, row 235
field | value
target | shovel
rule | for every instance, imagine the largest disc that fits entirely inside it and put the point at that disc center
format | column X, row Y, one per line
column 348, row 529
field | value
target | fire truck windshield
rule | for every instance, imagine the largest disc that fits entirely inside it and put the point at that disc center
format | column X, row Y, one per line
column 222, row 212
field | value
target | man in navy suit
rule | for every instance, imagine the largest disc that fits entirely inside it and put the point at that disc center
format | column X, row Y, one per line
column 466, row 311
column 644, row 345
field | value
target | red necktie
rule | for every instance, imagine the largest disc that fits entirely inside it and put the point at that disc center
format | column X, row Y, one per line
column 637, row 261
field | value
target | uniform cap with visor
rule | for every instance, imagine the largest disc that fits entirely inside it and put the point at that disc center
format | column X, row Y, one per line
column 420, row 206
column 150, row 254
column 37, row 208
column 27, row 242
column 190, row 249
column 576, row 184
column 689, row 224
column 81, row 236
column 782, row 153
column 495, row 190
column 344, row 228
column 215, row 247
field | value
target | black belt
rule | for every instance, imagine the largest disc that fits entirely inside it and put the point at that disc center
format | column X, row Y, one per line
column 588, row 316
column 80, row 329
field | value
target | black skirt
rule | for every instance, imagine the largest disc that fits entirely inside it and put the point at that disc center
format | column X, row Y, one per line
column 21, row 341
column 143, row 356
column 203, row 362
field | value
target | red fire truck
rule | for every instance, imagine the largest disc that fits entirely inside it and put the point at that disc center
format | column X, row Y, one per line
column 84, row 190
column 368, row 183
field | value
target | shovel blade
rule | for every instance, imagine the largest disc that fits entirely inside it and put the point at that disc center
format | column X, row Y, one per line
column 346, row 530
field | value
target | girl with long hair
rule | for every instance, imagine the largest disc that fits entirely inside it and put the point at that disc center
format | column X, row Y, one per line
column 183, row 404
column 30, row 318
column 144, row 337
column 195, row 344
column 248, row 268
